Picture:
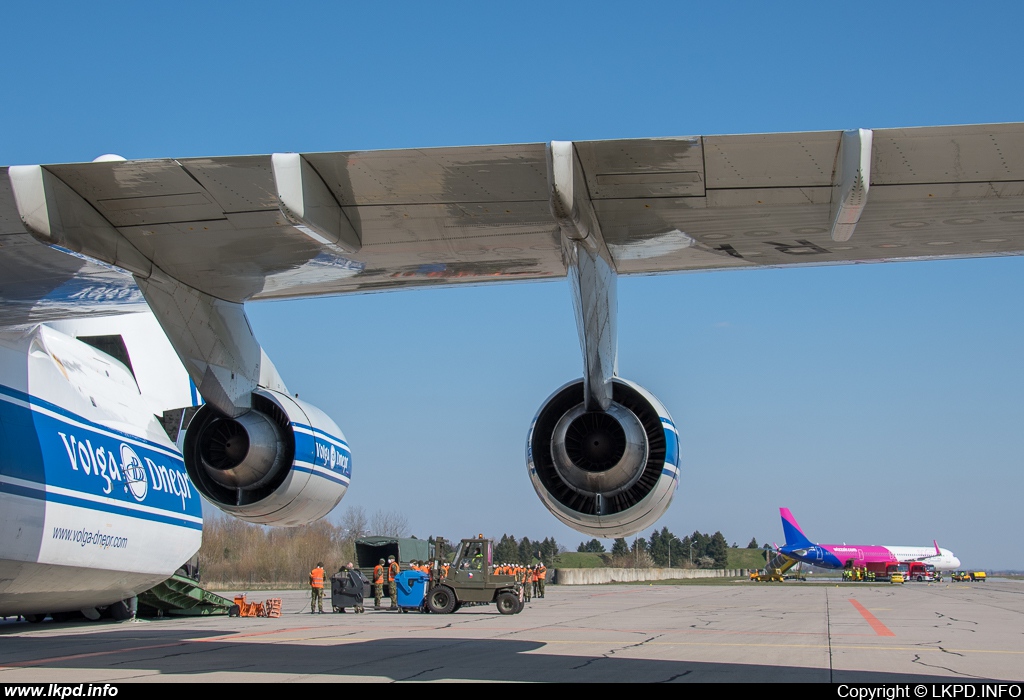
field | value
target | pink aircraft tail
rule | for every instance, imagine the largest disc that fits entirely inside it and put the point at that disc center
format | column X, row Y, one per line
column 791, row 529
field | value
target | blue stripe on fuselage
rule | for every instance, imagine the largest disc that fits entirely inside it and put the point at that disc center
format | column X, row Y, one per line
column 38, row 493
column 71, row 415
column 61, row 449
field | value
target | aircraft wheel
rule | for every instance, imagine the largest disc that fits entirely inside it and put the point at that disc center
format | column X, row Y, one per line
column 34, row 618
column 120, row 611
column 441, row 600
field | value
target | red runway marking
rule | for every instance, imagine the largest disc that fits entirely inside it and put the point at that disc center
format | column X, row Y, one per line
column 120, row 650
column 239, row 635
column 876, row 624
column 52, row 659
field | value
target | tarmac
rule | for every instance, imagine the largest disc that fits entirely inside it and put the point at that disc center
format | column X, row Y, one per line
column 729, row 631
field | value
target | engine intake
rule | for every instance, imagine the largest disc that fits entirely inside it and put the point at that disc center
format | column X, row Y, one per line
column 604, row 473
column 284, row 462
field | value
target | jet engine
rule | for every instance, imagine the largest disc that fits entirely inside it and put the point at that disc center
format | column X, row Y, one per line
column 604, row 473
column 284, row 463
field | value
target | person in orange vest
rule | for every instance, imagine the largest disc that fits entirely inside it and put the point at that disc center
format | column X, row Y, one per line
column 316, row 588
column 378, row 584
column 393, row 571
column 541, row 575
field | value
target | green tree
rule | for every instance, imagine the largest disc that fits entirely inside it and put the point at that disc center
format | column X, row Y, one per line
column 753, row 543
column 700, row 541
column 620, row 548
column 526, row 551
column 507, row 550
column 718, row 549
column 666, row 548
column 549, row 549
column 593, row 546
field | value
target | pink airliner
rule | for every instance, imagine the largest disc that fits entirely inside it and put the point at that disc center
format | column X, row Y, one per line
column 835, row 556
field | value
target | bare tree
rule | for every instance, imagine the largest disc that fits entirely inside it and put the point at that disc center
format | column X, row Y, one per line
column 354, row 523
column 389, row 523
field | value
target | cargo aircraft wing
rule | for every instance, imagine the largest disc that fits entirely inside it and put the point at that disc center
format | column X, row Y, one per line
column 195, row 238
column 242, row 228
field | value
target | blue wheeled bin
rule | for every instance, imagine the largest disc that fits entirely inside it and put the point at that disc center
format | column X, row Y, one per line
column 412, row 590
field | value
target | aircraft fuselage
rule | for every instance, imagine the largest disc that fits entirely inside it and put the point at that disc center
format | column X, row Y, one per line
column 95, row 502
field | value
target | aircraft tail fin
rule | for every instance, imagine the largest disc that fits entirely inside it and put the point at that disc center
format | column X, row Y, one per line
column 791, row 529
column 937, row 552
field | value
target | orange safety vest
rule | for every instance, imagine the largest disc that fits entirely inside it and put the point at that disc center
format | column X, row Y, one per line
column 316, row 578
column 393, row 569
column 378, row 574
column 542, row 573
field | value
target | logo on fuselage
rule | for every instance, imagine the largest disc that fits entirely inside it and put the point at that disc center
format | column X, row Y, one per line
column 134, row 473
column 142, row 476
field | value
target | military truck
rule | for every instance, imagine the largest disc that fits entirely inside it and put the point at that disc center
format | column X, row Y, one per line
column 470, row 581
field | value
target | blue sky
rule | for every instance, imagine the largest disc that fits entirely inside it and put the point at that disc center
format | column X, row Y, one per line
column 881, row 403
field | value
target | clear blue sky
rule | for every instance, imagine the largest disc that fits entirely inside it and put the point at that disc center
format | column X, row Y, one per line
column 881, row 403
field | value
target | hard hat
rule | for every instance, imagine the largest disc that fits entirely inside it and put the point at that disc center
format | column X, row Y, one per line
column 381, row 561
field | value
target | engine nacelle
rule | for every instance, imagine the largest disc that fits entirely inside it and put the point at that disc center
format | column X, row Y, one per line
column 283, row 463
column 604, row 473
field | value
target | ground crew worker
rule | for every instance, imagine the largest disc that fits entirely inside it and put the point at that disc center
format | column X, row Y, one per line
column 316, row 588
column 378, row 584
column 393, row 571
column 527, row 584
column 541, row 575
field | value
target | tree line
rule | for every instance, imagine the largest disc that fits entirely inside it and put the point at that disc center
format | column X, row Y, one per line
column 664, row 549
column 525, row 551
column 235, row 552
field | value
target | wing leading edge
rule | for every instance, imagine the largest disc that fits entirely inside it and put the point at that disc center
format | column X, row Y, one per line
column 231, row 228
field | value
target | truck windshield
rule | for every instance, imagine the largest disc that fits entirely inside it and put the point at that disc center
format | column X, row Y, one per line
column 458, row 555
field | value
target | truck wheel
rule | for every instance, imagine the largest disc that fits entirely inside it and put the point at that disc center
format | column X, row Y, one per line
column 441, row 600
column 508, row 603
